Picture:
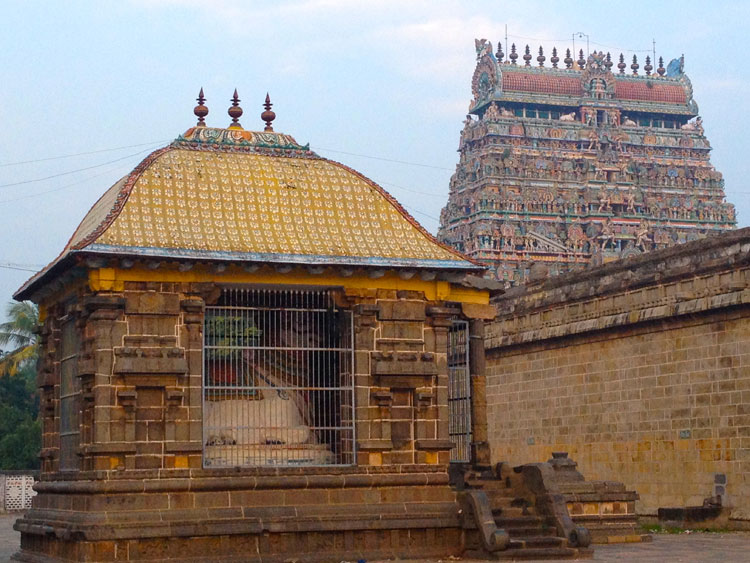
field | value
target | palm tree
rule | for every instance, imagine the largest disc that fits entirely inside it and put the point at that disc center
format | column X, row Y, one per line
column 20, row 333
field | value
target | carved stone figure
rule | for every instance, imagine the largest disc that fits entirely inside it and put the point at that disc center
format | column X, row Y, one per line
column 607, row 235
column 641, row 235
column 598, row 160
column 483, row 47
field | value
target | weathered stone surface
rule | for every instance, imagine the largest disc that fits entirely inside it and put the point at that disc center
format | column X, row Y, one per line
column 639, row 368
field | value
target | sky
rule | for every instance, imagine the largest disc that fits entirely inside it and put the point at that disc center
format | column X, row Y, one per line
column 380, row 85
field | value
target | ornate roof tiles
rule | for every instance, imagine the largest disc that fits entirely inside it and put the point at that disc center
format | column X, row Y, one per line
column 650, row 91
column 230, row 194
column 542, row 83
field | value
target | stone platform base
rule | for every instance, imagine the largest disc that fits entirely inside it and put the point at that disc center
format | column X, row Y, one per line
column 266, row 547
column 268, row 515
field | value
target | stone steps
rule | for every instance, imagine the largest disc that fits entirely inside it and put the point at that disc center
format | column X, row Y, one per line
column 537, row 541
column 531, row 536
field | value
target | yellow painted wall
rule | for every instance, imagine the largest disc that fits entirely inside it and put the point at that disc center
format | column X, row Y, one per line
column 113, row 279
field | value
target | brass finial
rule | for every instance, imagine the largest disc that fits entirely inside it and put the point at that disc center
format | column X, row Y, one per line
column 568, row 59
column 541, row 58
column 635, row 66
column 527, row 56
column 621, row 65
column 513, row 54
column 499, row 55
column 661, row 70
column 268, row 116
column 581, row 60
column 235, row 112
column 608, row 62
column 201, row 111
column 648, row 68
column 555, row 59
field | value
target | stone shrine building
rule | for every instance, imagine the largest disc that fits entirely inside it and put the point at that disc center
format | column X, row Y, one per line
column 575, row 163
column 249, row 352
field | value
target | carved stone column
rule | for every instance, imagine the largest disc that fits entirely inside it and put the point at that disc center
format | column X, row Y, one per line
column 480, row 449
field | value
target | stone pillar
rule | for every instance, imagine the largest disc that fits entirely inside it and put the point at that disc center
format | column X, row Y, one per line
column 440, row 319
column 48, row 381
column 102, row 329
column 480, row 450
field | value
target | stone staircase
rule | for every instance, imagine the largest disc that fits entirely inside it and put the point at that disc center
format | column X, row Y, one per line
column 522, row 532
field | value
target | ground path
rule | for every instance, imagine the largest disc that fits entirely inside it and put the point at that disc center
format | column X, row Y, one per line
column 685, row 548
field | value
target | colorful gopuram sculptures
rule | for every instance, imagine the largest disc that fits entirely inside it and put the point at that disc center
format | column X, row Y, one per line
column 578, row 164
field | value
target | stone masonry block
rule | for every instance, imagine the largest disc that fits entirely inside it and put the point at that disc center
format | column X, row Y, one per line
column 402, row 311
column 152, row 303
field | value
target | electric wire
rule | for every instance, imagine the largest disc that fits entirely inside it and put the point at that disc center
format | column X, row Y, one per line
column 385, row 159
column 23, row 182
column 610, row 47
column 65, row 187
column 45, row 159
column 11, row 266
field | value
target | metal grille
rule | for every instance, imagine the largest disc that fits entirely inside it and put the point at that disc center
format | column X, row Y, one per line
column 69, row 394
column 278, row 385
column 459, row 392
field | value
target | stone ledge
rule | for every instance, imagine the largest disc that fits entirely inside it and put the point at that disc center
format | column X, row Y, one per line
column 239, row 482
column 189, row 446
column 109, row 448
column 709, row 255
column 605, row 321
column 153, row 524
column 434, row 445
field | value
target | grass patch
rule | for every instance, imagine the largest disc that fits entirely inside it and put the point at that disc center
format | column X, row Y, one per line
column 659, row 529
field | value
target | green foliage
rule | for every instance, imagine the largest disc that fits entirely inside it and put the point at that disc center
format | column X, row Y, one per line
column 20, row 333
column 230, row 333
column 659, row 529
column 20, row 427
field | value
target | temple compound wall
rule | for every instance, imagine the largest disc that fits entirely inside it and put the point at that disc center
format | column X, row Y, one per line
column 639, row 369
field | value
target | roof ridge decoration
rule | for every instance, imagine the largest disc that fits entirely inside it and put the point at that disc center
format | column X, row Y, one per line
column 597, row 80
column 667, row 91
column 262, row 142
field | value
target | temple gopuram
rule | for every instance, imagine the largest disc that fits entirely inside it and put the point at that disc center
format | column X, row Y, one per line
column 575, row 163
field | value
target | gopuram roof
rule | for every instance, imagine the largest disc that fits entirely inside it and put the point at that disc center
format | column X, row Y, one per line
column 571, row 162
column 252, row 197
column 669, row 90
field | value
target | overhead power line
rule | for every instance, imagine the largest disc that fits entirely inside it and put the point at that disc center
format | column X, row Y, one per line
column 567, row 39
column 429, row 194
column 45, row 159
column 72, row 171
column 21, row 267
column 385, row 159
column 60, row 188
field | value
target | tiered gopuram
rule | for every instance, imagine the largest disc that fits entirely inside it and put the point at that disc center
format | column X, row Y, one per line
column 573, row 163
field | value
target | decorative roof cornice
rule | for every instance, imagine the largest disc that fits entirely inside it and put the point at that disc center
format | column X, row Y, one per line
column 239, row 140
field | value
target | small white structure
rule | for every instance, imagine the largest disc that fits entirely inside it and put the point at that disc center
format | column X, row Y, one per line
column 16, row 491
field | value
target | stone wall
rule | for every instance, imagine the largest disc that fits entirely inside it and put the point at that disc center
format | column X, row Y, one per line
column 133, row 486
column 139, row 372
column 640, row 369
column 401, row 377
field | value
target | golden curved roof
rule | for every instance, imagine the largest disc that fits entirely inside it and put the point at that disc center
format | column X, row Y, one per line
column 230, row 194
